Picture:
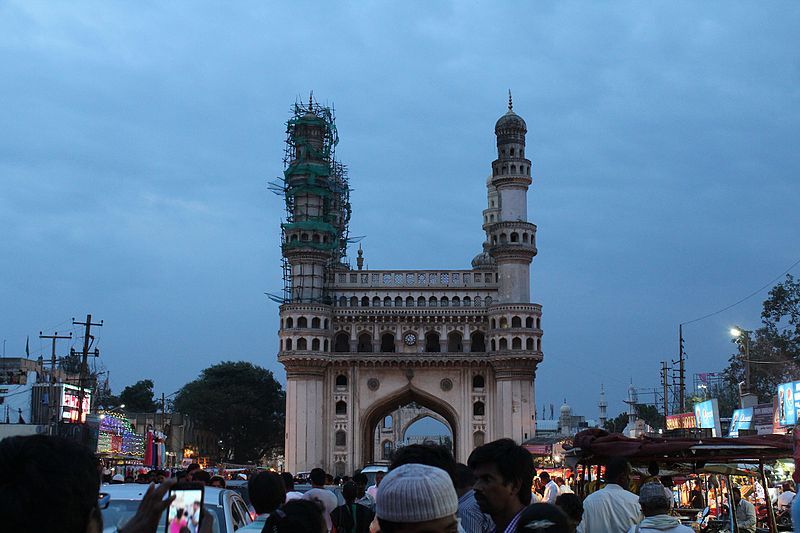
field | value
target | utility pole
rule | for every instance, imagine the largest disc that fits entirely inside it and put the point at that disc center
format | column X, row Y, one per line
column 682, row 369
column 84, row 365
column 665, row 386
column 51, row 415
column 163, row 412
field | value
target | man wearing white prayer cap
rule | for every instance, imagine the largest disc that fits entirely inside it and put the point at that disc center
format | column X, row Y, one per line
column 416, row 498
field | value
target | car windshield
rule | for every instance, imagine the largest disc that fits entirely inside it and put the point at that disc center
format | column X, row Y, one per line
column 119, row 512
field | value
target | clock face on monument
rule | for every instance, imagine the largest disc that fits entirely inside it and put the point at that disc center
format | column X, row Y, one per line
column 410, row 339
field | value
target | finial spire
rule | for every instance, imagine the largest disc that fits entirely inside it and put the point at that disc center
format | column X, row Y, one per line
column 311, row 100
column 510, row 103
column 360, row 259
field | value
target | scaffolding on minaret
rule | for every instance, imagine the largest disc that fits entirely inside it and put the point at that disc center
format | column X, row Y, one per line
column 316, row 195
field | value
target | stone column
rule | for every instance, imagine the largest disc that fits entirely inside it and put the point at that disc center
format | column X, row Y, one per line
column 307, row 427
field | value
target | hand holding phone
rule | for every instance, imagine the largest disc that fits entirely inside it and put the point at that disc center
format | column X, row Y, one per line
column 184, row 513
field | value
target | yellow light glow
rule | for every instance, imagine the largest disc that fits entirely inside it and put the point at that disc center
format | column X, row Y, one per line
column 736, row 332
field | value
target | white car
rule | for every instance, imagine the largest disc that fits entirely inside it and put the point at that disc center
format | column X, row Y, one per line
column 229, row 509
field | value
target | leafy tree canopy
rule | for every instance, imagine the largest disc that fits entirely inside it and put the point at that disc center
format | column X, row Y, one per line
column 774, row 347
column 138, row 398
column 241, row 403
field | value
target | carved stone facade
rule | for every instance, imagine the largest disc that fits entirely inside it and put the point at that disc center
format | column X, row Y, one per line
column 463, row 344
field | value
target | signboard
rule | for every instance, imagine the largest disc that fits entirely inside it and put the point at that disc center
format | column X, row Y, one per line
column 70, row 399
column 787, row 406
column 762, row 418
column 681, row 421
column 706, row 415
column 741, row 419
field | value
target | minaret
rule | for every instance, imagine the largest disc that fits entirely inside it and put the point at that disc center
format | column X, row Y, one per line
column 603, row 406
column 514, row 322
column 313, row 244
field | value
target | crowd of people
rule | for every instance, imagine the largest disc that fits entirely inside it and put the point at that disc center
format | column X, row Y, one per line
column 51, row 484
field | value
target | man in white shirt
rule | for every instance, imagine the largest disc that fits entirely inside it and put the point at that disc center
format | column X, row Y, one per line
column 550, row 489
column 786, row 497
column 612, row 509
column 318, row 493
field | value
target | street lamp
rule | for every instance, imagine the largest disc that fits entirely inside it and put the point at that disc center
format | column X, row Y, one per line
column 743, row 337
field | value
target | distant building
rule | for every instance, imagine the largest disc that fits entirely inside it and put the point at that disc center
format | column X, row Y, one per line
column 566, row 425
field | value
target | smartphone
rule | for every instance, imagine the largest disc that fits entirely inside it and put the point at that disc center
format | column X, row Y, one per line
column 185, row 510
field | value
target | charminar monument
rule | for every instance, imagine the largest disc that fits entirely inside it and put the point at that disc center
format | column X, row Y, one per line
column 460, row 345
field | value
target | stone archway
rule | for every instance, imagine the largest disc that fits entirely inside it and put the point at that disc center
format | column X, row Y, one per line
column 429, row 414
column 377, row 411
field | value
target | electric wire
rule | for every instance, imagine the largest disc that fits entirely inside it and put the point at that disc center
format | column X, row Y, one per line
column 745, row 298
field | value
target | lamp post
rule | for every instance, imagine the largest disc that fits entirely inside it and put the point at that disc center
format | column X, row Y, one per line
column 743, row 337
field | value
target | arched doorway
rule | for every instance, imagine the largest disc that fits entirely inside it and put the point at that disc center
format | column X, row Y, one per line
column 373, row 419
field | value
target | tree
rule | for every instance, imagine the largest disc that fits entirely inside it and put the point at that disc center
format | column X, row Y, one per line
column 241, row 403
column 651, row 415
column 138, row 398
column 616, row 425
column 774, row 347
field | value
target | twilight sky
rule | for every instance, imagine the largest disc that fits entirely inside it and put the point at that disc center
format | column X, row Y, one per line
column 138, row 139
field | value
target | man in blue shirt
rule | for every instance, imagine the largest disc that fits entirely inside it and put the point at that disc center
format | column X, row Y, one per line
column 469, row 513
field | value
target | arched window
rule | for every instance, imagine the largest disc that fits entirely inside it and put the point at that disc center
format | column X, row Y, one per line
column 503, row 322
column 302, row 344
column 538, row 323
column 325, row 324
column 516, row 322
column 315, row 323
column 365, row 342
column 341, row 381
column 515, row 237
column 341, row 342
column 387, row 422
column 478, row 301
column 454, row 343
column 353, row 301
column 294, row 238
column 315, row 345
column 398, row 302
column 342, row 301
column 288, row 345
column 524, row 237
column 529, row 343
column 478, row 439
column 478, row 382
column 326, row 345
column 478, row 409
column 432, row 301
column 456, row 302
column 289, row 323
column 467, row 301
column 494, row 324
column 341, row 407
column 529, row 322
column 341, row 438
column 304, row 237
column 364, row 302
column 516, row 343
column 539, row 345
column 503, row 238
column 386, row 450
column 432, row 342
column 376, row 302
column 315, row 237
column 421, row 301
column 477, row 342
column 503, row 344
column 387, row 342
column 387, row 302
column 410, row 301
column 302, row 322
column 511, row 152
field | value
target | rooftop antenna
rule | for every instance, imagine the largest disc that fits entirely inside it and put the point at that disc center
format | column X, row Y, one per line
column 510, row 103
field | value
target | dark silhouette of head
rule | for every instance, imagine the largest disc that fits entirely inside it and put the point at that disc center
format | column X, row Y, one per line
column 53, row 472
column 426, row 454
column 294, row 516
column 550, row 518
column 317, row 477
column 266, row 491
column 513, row 462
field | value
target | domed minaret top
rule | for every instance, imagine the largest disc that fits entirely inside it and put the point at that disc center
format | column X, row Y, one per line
column 511, row 125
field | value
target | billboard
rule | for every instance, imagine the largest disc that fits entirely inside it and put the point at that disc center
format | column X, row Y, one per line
column 70, row 399
column 706, row 416
column 787, row 406
column 741, row 419
column 762, row 418
column 681, row 421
